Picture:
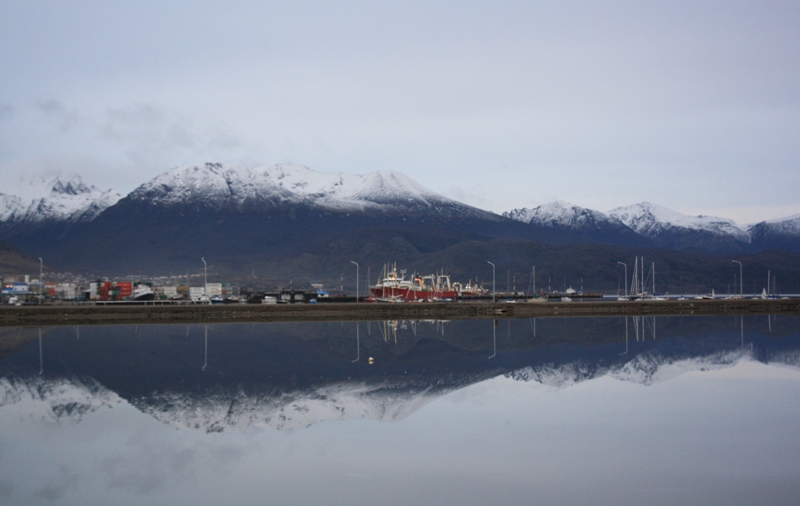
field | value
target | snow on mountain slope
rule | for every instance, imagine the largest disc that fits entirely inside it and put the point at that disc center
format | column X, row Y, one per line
column 221, row 411
column 63, row 399
column 56, row 198
column 783, row 233
column 645, row 369
column 651, row 219
column 217, row 184
column 334, row 188
column 784, row 226
column 563, row 214
column 211, row 183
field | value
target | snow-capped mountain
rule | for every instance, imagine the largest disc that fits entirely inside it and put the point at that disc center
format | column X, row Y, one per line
column 589, row 225
column 54, row 198
column 248, row 216
column 789, row 225
column 563, row 214
column 218, row 185
column 212, row 183
column 349, row 190
column 277, row 214
column 651, row 220
column 666, row 228
column 782, row 233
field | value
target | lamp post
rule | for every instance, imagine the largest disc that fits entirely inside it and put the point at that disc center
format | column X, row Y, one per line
column 626, row 277
column 494, row 292
column 205, row 276
column 741, row 289
column 356, row 263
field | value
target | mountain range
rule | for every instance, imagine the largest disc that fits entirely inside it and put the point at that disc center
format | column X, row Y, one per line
column 669, row 229
column 289, row 218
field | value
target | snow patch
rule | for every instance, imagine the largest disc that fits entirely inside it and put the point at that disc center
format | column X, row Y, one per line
column 651, row 219
column 288, row 411
column 61, row 400
column 561, row 213
column 54, row 197
column 218, row 184
column 781, row 226
column 645, row 369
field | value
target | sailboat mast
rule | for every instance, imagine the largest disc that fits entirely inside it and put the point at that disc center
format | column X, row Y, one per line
column 642, row 292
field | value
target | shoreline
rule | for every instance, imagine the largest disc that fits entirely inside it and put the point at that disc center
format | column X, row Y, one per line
column 50, row 316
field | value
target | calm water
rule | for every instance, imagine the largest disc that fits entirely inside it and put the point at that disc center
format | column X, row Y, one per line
column 552, row 411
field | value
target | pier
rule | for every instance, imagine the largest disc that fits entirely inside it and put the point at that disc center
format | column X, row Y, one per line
column 42, row 316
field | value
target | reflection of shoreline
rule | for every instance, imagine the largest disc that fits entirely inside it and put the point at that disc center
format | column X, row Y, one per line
column 229, row 313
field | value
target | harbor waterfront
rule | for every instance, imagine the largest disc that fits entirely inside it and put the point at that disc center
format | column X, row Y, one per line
column 59, row 315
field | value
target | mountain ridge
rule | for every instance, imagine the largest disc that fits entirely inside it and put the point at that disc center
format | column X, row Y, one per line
column 55, row 198
column 671, row 229
column 251, row 218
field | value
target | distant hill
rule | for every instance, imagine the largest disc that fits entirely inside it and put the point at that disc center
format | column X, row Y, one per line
column 15, row 262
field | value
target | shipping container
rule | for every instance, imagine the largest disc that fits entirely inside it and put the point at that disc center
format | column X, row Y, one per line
column 213, row 289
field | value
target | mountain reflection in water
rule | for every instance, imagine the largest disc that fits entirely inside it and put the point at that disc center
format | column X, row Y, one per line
column 249, row 380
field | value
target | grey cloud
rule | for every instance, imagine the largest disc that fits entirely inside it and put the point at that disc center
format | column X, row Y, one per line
column 6, row 488
column 160, row 128
column 150, row 134
column 148, row 125
column 6, row 112
column 220, row 137
column 64, row 117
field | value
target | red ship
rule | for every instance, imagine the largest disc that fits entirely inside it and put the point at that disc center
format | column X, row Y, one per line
column 393, row 287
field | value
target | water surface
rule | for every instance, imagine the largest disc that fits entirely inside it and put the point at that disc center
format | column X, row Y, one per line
column 552, row 411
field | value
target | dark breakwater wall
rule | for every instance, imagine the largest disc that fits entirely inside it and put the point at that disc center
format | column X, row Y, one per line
column 34, row 316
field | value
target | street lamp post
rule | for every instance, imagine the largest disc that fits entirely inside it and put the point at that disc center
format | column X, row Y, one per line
column 494, row 292
column 626, row 277
column 205, row 276
column 352, row 262
column 741, row 286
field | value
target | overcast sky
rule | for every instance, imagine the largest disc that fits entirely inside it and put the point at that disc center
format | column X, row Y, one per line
column 500, row 104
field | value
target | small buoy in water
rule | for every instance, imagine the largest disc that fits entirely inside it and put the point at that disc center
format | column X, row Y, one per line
column 371, row 360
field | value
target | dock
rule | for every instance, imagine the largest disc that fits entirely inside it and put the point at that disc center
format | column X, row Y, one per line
column 67, row 315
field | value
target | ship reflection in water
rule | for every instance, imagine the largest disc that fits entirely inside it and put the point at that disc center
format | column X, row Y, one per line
column 553, row 411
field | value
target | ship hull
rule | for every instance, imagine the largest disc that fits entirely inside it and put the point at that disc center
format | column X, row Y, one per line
column 407, row 294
